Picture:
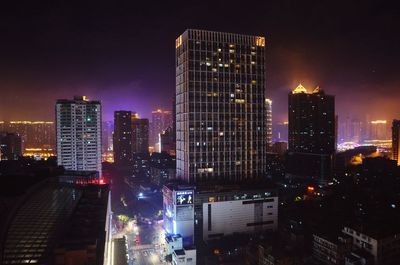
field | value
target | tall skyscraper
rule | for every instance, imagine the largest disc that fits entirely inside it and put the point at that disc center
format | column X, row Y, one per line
column 268, row 122
column 396, row 140
column 140, row 135
column 122, row 137
column 160, row 121
column 312, row 132
column 220, row 106
column 78, row 123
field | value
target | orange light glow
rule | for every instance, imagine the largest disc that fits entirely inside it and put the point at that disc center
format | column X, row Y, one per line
column 260, row 41
column 178, row 41
column 379, row 122
column 310, row 188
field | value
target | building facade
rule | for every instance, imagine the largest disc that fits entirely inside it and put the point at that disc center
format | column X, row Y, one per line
column 312, row 133
column 224, row 211
column 178, row 208
column 384, row 246
column 160, row 121
column 122, row 137
column 107, row 140
column 140, row 135
column 268, row 123
column 78, row 130
column 220, row 106
column 167, row 143
column 396, row 140
column 330, row 250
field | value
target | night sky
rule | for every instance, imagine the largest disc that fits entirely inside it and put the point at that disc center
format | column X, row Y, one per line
column 123, row 53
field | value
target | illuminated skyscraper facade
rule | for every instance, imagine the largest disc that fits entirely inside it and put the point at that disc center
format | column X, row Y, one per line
column 122, row 137
column 78, row 130
column 268, row 122
column 220, row 106
column 396, row 140
column 312, row 132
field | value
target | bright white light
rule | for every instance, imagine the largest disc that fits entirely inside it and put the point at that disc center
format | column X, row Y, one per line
column 174, row 223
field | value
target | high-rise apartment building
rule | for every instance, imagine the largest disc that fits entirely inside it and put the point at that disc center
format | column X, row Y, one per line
column 220, row 106
column 140, row 135
column 78, row 130
column 312, row 132
column 268, row 122
column 160, row 121
column 396, row 140
column 122, row 137
column 378, row 130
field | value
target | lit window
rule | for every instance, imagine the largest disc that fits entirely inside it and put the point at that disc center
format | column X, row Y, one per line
column 178, row 41
column 260, row 41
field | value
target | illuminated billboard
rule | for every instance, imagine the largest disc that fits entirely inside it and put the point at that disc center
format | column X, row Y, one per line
column 184, row 197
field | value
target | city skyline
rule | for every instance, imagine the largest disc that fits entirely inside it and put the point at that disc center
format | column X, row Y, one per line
column 107, row 56
column 200, row 133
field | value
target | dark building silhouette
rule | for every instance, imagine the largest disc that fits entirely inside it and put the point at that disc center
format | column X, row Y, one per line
column 10, row 146
column 140, row 135
column 220, row 106
column 122, row 138
column 167, row 143
column 312, row 133
column 395, row 140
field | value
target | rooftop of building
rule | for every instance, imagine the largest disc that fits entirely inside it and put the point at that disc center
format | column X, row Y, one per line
column 182, row 252
column 179, row 252
column 172, row 237
column 53, row 215
column 78, row 99
column 221, row 186
column 332, row 236
column 300, row 89
column 377, row 229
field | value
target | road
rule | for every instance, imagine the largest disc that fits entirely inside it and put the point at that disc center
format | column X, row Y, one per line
column 145, row 241
column 146, row 245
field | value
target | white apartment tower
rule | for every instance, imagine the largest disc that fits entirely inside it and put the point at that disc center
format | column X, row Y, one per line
column 78, row 126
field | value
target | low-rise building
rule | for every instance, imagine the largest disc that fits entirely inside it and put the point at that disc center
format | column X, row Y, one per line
column 223, row 210
column 185, row 256
column 381, row 241
column 331, row 249
column 269, row 255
